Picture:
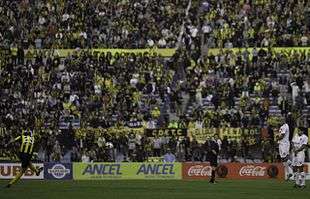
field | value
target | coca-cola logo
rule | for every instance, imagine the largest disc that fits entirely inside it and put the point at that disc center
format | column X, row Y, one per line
column 251, row 170
column 199, row 170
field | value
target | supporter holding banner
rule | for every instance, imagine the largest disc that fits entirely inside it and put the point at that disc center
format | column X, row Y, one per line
column 165, row 132
column 163, row 52
column 252, row 135
column 83, row 132
column 202, row 135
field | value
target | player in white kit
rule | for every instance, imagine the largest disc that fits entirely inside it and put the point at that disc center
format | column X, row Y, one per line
column 284, row 148
column 300, row 142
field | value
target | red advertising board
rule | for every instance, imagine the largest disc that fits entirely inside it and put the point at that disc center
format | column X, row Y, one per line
column 196, row 170
column 234, row 171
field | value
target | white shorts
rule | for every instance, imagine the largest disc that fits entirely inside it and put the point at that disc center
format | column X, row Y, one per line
column 299, row 159
column 284, row 149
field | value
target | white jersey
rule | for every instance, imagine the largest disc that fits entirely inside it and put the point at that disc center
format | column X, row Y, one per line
column 299, row 141
column 284, row 130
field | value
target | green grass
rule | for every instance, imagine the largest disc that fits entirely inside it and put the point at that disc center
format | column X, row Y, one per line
column 134, row 189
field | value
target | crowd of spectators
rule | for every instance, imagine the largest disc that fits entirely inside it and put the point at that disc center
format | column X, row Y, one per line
column 91, row 23
column 149, row 23
column 149, row 91
column 243, row 86
column 260, row 23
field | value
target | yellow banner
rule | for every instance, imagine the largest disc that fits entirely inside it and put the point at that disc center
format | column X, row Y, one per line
column 65, row 52
column 165, row 52
column 83, row 132
column 251, row 135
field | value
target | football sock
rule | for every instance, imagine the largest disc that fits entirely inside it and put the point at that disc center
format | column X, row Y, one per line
column 302, row 179
column 297, row 176
column 33, row 168
column 294, row 176
column 212, row 176
column 17, row 177
column 289, row 167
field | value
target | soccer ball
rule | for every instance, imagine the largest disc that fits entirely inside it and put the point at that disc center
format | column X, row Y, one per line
column 109, row 145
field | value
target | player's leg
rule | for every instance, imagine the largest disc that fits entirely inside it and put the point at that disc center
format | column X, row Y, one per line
column 213, row 164
column 302, row 175
column 293, row 165
column 25, row 164
column 297, row 177
column 294, row 173
column 17, row 177
column 33, row 168
column 287, row 163
column 296, row 170
column 288, row 167
column 212, row 180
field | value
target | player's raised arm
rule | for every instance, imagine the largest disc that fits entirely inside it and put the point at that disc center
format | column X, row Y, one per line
column 12, row 141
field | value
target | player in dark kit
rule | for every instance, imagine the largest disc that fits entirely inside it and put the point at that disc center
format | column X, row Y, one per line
column 213, row 150
column 25, row 155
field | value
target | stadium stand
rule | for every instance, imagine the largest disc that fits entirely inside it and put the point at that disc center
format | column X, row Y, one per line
column 95, row 106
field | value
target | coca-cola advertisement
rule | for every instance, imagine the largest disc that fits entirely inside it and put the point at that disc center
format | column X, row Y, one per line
column 254, row 171
column 196, row 170
column 234, row 171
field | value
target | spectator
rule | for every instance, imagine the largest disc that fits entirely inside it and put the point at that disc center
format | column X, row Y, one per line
column 157, row 146
column 85, row 157
column 169, row 157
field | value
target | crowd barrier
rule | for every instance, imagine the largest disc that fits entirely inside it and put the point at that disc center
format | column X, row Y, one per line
column 149, row 171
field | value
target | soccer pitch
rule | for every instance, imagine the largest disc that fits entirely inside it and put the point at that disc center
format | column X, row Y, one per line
column 170, row 189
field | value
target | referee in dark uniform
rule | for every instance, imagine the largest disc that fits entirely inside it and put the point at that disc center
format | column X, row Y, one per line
column 212, row 154
column 27, row 141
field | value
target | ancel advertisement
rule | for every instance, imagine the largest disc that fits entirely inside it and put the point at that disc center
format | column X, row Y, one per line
column 114, row 171
column 9, row 171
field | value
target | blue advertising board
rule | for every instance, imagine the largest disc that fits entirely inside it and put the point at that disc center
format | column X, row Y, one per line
column 58, row 171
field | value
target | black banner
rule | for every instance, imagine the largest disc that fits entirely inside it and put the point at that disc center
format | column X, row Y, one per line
column 165, row 132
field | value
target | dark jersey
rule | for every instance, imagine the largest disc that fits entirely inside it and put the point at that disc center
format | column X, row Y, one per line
column 213, row 150
column 212, row 147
